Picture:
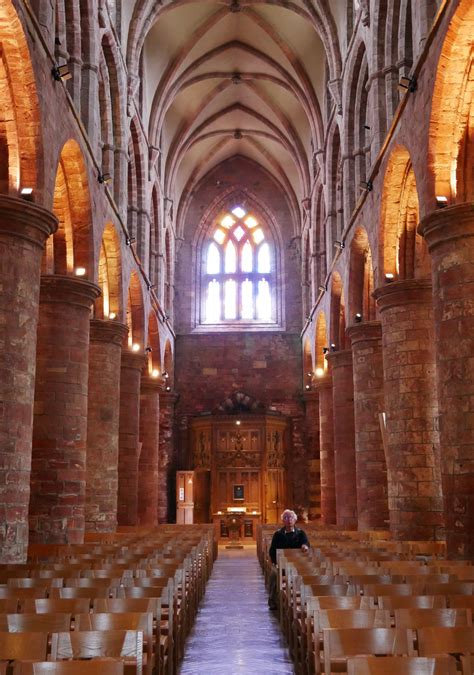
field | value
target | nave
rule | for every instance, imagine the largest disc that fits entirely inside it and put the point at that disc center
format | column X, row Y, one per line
column 234, row 632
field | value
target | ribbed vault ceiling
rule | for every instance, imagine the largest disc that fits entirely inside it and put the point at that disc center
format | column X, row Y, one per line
column 235, row 78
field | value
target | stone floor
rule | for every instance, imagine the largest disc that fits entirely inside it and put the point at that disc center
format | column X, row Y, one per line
column 234, row 632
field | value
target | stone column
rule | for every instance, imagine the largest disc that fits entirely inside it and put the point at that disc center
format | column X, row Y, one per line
column 105, row 350
column 323, row 386
column 129, row 445
column 24, row 229
column 166, row 450
column 311, row 399
column 449, row 234
column 414, row 488
column 58, row 473
column 344, row 440
column 371, row 467
column 148, row 463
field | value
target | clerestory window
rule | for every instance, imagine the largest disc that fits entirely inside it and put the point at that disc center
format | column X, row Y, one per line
column 238, row 271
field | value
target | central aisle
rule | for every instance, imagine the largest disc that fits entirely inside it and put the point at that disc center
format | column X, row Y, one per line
column 234, row 632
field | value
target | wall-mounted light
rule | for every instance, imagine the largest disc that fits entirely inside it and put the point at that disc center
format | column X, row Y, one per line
column 168, row 388
column 358, row 317
column 112, row 315
column 339, row 244
column 135, row 347
column 307, row 387
column 325, row 350
column 441, row 201
column 80, row 271
column 104, row 178
column 238, row 423
column 148, row 350
column 322, row 288
column 319, row 372
column 130, row 240
column 155, row 373
column 389, row 277
column 407, row 84
column 366, row 185
column 61, row 73
column 333, row 347
column 165, row 375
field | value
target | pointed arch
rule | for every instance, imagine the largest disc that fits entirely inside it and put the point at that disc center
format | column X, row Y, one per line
column 361, row 277
column 109, row 305
column 337, row 330
column 403, row 251
column 452, row 120
column 153, row 344
column 20, row 145
column 135, row 319
column 307, row 363
column 72, row 246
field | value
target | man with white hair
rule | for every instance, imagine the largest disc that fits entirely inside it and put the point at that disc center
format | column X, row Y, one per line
column 287, row 536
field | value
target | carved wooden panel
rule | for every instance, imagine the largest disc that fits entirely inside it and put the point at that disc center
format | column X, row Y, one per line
column 202, row 444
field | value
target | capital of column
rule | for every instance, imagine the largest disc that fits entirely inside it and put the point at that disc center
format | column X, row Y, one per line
column 311, row 396
column 111, row 332
column 132, row 360
column 64, row 289
column 151, row 385
column 322, row 383
column 340, row 359
column 406, row 292
column 24, row 220
column 448, row 224
column 364, row 332
column 168, row 399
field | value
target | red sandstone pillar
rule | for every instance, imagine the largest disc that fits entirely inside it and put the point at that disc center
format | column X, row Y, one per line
column 24, row 228
column 103, row 425
column 148, row 464
column 311, row 399
column 344, row 440
column 166, row 451
column 326, row 450
column 449, row 234
column 371, row 468
column 412, row 454
column 129, row 447
column 58, row 472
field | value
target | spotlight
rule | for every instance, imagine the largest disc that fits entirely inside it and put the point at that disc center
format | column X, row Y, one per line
column 104, row 178
column 441, row 201
column 309, row 374
column 339, row 244
column 358, row 317
column 307, row 387
column 168, row 388
column 165, row 375
column 148, row 350
column 322, row 288
column 112, row 315
column 26, row 193
column 407, row 84
column 389, row 277
column 333, row 347
column 366, row 185
column 319, row 372
column 130, row 240
column 80, row 271
column 325, row 350
column 151, row 287
column 155, row 373
column 61, row 73
column 135, row 347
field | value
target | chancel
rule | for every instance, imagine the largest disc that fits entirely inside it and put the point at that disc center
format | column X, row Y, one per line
column 236, row 277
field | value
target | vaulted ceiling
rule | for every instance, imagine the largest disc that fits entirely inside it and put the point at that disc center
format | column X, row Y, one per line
column 235, row 78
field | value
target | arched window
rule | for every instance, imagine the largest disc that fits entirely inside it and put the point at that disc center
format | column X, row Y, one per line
column 238, row 271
